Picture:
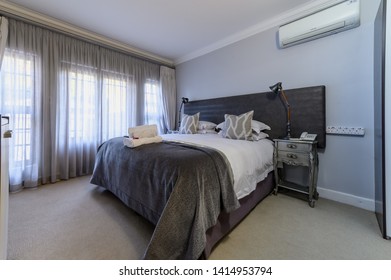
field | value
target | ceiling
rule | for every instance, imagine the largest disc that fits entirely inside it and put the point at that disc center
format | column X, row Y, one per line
column 176, row 30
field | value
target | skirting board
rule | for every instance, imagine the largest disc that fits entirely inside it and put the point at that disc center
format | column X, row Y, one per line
column 349, row 199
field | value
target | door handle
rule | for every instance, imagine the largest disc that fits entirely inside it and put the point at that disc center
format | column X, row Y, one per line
column 6, row 118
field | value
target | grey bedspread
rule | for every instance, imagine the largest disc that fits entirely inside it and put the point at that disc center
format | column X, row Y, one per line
column 180, row 188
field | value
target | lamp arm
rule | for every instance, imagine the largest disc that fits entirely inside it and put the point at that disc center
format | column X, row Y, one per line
column 285, row 99
column 288, row 112
column 180, row 108
column 288, row 107
column 180, row 115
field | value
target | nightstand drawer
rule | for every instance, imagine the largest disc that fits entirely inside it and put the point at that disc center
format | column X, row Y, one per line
column 295, row 146
column 293, row 158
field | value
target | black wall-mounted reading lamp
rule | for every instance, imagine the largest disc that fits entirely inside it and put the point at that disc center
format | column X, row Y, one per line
column 277, row 89
column 184, row 101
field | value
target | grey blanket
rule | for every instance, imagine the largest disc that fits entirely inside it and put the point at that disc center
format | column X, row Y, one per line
column 180, row 188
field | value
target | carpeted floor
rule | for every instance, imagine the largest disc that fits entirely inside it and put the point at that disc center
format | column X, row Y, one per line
column 74, row 220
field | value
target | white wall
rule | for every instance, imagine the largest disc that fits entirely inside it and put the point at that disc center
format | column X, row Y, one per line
column 342, row 62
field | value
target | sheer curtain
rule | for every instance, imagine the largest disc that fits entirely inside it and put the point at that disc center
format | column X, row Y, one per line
column 119, row 94
column 77, row 109
column 168, row 96
column 66, row 97
column 21, row 97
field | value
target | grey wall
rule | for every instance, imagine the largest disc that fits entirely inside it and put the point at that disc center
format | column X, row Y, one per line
column 342, row 62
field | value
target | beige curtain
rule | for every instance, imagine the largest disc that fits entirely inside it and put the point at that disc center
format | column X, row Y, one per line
column 3, row 37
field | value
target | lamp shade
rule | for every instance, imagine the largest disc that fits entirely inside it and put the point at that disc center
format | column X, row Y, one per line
column 276, row 88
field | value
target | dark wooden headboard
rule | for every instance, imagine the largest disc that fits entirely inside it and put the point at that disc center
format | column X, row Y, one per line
column 308, row 110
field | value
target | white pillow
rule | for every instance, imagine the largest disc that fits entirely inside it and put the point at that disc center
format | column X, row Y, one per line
column 258, row 126
column 189, row 124
column 220, row 126
column 205, row 125
column 207, row 131
column 259, row 136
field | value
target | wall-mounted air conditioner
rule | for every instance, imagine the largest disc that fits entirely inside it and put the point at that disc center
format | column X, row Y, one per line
column 331, row 20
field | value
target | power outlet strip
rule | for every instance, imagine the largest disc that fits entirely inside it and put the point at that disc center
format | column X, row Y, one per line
column 344, row 130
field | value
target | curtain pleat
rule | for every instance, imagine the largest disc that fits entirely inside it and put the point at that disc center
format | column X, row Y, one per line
column 169, row 96
column 3, row 37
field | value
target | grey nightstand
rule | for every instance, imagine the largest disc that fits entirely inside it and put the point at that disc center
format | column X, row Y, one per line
column 296, row 152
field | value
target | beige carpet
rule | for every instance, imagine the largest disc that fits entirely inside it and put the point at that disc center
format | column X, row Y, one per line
column 77, row 220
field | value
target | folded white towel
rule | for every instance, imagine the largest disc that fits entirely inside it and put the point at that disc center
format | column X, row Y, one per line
column 143, row 131
column 132, row 143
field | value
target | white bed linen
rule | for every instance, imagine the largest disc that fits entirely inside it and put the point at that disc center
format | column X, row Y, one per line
column 250, row 161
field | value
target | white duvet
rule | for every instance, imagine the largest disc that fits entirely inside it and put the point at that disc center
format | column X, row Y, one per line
column 250, row 161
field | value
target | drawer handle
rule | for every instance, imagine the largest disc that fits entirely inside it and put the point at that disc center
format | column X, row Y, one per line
column 292, row 146
column 292, row 156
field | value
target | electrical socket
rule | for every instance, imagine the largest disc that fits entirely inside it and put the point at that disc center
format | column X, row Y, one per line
column 345, row 130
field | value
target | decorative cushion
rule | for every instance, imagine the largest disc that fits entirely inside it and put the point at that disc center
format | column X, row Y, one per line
column 238, row 127
column 189, row 124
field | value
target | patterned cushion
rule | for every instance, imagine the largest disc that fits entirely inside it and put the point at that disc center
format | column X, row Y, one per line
column 238, row 127
column 189, row 124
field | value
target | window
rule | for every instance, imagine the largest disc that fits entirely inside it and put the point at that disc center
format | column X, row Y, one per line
column 152, row 112
column 82, row 105
column 18, row 95
column 98, row 109
column 115, row 95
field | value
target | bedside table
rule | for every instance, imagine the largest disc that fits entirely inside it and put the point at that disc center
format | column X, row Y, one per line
column 296, row 152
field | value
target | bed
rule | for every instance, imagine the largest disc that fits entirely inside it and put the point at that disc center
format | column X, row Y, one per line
column 190, row 190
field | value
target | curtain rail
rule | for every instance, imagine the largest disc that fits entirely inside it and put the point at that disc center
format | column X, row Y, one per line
column 24, row 14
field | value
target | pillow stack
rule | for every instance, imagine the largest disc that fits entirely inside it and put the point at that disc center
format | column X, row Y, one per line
column 243, row 127
column 193, row 125
column 205, row 127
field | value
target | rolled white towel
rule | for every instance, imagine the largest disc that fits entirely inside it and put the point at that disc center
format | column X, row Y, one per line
column 143, row 131
column 132, row 143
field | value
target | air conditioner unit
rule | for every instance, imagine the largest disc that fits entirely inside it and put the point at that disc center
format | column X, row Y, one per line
column 331, row 20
